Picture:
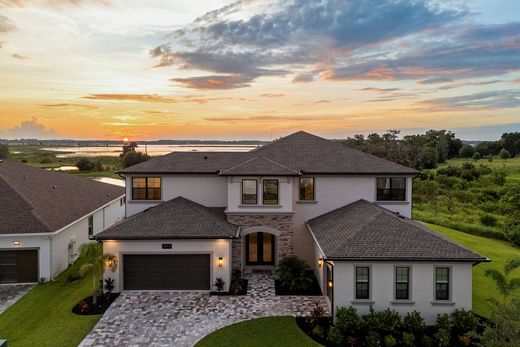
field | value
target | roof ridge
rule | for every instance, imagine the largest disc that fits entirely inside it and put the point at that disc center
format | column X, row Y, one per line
column 240, row 164
column 283, row 138
column 279, row 164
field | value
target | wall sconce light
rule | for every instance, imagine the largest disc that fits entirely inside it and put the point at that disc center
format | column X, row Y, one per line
column 16, row 243
column 330, row 284
column 220, row 262
column 320, row 262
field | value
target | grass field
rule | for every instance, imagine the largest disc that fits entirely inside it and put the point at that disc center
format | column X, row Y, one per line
column 269, row 331
column 44, row 316
column 498, row 251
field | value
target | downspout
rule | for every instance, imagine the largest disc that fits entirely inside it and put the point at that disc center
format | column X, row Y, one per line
column 50, row 257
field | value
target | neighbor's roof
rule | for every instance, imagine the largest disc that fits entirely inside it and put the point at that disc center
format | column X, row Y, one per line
column 41, row 201
column 178, row 218
column 366, row 231
column 301, row 152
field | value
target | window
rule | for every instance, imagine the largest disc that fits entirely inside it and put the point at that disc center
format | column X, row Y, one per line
column 362, row 282
column 270, row 196
column 90, row 225
column 307, row 188
column 442, row 283
column 402, row 283
column 146, row 188
column 391, row 189
column 249, row 192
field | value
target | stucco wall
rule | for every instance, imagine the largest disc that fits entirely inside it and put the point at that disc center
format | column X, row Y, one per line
column 217, row 248
column 332, row 192
column 207, row 190
column 422, row 287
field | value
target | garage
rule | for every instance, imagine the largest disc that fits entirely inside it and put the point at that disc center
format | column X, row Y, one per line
column 19, row 266
column 166, row 271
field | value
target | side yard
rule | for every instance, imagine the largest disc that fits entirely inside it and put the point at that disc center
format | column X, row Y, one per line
column 498, row 251
column 44, row 316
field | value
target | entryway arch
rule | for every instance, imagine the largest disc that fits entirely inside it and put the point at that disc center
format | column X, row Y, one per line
column 260, row 245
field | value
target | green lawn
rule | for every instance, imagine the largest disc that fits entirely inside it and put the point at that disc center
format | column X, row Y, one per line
column 44, row 316
column 498, row 251
column 269, row 331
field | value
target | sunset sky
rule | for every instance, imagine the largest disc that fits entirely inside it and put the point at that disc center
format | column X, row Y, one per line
column 254, row 69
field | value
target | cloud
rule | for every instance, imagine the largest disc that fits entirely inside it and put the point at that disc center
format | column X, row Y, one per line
column 23, row 3
column 153, row 98
column 19, row 56
column 435, row 80
column 458, row 85
column 30, row 129
column 496, row 99
column 282, row 33
column 272, row 95
column 379, row 90
column 68, row 106
column 264, row 119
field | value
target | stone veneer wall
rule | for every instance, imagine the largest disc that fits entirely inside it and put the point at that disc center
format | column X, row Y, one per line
column 281, row 222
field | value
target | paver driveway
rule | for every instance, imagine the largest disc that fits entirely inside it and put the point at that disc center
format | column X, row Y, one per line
column 162, row 318
column 11, row 293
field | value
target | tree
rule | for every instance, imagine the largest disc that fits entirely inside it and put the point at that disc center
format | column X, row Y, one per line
column 92, row 254
column 85, row 165
column 132, row 158
column 504, row 154
column 511, row 198
column 128, row 147
column 466, row 151
column 476, row 156
column 504, row 327
column 511, row 143
column 4, row 151
column 505, row 285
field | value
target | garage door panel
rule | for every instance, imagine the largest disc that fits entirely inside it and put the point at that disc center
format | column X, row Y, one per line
column 166, row 271
column 18, row 266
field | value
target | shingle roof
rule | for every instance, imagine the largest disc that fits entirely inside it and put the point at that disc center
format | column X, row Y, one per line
column 364, row 230
column 178, row 218
column 299, row 152
column 41, row 201
column 259, row 166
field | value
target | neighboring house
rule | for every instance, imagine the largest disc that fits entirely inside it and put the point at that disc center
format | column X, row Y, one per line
column 194, row 217
column 46, row 215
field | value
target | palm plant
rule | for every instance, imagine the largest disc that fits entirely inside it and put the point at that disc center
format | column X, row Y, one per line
column 505, row 285
column 92, row 255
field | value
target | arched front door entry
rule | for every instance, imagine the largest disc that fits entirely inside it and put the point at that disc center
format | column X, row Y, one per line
column 260, row 248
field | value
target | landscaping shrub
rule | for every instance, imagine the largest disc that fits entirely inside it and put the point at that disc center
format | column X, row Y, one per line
column 390, row 341
column 408, row 339
column 504, row 327
column 294, row 274
column 373, row 339
column 414, row 323
column 488, row 220
column 348, row 321
column 219, row 284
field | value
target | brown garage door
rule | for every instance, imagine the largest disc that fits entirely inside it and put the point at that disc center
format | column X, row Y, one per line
column 20, row 266
column 166, row 271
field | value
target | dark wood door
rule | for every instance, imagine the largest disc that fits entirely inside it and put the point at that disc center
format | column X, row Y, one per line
column 19, row 266
column 260, row 249
column 166, row 271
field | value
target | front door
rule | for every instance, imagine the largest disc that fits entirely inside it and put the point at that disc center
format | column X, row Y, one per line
column 260, row 249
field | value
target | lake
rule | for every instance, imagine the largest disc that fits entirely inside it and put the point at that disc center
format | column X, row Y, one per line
column 153, row 150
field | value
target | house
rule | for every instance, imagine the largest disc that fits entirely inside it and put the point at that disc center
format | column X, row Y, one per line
column 46, row 215
column 194, row 217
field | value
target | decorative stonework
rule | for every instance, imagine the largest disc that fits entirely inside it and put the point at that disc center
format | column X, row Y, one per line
column 281, row 222
column 236, row 254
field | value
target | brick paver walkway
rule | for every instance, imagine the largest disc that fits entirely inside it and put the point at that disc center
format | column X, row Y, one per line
column 166, row 318
column 11, row 293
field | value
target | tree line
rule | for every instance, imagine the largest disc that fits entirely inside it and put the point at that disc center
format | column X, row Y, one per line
column 426, row 151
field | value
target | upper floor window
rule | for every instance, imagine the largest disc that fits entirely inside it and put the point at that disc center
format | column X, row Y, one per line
column 270, row 196
column 391, row 189
column 249, row 192
column 307, row 188
column 362, row 282
column 90, row 225
column 442, row 283
column 402, row 283
column 146, row 188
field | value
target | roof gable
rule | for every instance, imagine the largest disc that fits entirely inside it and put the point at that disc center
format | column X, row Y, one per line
column 363, row 230
column 178, row 218
column 259, row 166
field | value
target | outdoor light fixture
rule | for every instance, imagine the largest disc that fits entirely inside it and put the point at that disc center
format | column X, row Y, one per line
column 320, row 262
column 329, row 284
column 16, row 243
column 220, row 262
column 108, row 263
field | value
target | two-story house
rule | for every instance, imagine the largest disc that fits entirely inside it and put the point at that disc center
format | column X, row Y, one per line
column 194, row 217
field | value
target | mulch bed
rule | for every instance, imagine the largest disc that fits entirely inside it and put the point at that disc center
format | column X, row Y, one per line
column 313, row 290
column 325, row 322
column 85, row 307
column 243, row 283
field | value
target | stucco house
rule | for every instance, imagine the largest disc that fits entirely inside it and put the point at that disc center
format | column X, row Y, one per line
column 46, row 215
column 193, row 217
